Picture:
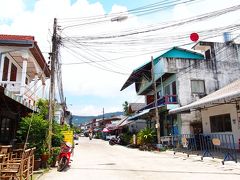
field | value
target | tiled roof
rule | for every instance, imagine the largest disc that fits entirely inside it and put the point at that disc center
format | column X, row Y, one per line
column 136, row 106
column 16, row 37
column 22, row 41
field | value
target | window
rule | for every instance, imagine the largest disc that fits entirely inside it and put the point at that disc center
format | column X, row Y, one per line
column 13, row 76
column 167, row 90
column 221, row 123
column 5, row 129
column 5, row 69
column 197, row 87
column 170, row 89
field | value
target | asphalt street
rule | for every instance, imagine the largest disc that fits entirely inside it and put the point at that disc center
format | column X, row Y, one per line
column 97, row 160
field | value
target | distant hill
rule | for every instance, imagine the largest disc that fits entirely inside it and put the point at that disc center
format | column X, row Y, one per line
column 77, row 120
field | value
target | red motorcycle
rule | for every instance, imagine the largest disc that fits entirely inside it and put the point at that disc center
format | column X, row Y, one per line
column 64, row 157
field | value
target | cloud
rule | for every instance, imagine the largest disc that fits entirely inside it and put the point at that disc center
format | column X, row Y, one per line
column 85, row 79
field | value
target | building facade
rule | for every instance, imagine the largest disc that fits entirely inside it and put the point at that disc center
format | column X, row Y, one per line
column 23, row 71
column 183, row 76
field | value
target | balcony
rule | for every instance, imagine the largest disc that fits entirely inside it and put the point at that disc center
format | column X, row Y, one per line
column 13, row 90
column 169, row 99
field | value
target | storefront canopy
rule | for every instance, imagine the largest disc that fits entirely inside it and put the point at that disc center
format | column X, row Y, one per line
column 225, row 95
column 139, row 115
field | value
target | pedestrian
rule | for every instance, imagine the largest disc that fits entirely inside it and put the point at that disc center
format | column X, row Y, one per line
column 90, row 133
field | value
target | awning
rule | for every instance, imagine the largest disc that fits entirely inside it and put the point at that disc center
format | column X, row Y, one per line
column 224, row 95
column 137, row 116
column 105, row 130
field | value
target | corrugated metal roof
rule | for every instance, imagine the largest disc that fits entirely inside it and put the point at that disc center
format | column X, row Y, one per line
column 223, row 95
column 135, row 75
column 181, row 53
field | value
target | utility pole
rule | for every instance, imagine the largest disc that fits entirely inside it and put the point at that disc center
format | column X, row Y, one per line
column 52, row 83
column 103, row 115
column 156, row 105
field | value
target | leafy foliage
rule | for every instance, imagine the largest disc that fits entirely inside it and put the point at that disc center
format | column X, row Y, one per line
column 42, row 105
column 125, row 108
column 37, row 133
column 146, row 136
column 57, row 136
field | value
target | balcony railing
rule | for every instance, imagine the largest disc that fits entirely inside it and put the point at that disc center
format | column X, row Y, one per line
column 169, row 99
column 14, row 88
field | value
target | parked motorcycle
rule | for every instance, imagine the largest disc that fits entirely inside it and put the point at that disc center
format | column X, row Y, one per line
column 115, row 140
column 64, row 157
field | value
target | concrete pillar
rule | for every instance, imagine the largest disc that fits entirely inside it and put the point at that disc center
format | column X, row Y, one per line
column 43, row 90
column 186, row 127
column 2, row 56
column 9, row 70
column 24, row 74
column 35, row 87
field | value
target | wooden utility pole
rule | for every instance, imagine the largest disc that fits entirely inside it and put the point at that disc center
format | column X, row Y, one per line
column 52, row 83
column 156, row 105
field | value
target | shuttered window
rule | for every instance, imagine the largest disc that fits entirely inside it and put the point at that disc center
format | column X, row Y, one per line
column 13, row 76
column 5, row 69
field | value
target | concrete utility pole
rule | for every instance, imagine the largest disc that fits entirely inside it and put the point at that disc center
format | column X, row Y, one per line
column 52, row 83
column 156, row 105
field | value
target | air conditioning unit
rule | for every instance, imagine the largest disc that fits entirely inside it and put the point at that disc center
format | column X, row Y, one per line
column 195, row 97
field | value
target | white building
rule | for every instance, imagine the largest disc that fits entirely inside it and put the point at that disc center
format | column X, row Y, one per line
column 23, row 72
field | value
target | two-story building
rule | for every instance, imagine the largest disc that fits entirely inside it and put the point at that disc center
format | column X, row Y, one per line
column 23, row 72
column 183, row 76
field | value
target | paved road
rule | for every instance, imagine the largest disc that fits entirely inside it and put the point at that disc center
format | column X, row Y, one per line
column 96, row 160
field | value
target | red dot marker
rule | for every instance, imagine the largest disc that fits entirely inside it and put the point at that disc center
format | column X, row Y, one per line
column 194, row 37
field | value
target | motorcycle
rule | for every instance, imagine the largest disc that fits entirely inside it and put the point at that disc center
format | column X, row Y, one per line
column 64, row 157
column 115, row 140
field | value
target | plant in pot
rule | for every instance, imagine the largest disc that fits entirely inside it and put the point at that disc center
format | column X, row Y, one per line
column 55, row 151
column 45, row 153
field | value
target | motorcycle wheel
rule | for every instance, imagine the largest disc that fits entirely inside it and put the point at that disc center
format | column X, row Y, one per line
column 62, row 164
column 111, row 143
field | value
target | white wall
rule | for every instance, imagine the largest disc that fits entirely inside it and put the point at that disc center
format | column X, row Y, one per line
column 222, row 109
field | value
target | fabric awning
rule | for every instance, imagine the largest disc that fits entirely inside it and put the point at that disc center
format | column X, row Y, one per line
column 224, row 95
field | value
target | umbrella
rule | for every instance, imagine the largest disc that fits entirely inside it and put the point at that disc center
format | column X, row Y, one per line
column 105, row 130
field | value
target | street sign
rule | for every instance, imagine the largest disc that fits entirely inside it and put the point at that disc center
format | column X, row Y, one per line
column 68, row 136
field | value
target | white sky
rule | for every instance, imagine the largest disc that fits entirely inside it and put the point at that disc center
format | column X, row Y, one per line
column 87, row 88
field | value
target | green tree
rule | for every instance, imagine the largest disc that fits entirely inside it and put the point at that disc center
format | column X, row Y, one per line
column 125, row 108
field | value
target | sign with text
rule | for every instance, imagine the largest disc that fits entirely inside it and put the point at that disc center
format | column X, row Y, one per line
column 68, row 136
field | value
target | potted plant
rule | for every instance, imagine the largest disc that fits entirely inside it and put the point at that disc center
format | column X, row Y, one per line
column 45, row 153
column 55, row 151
